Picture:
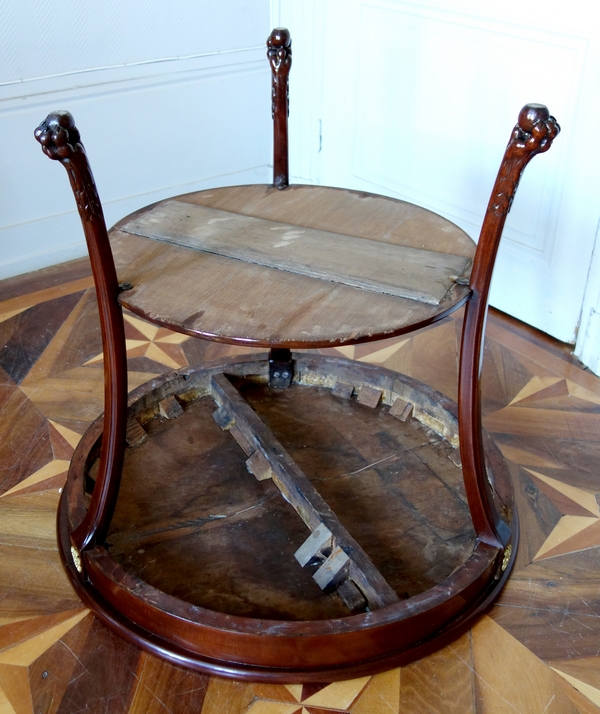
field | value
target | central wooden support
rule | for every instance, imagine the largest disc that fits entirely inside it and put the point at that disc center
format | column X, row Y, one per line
column 345, row 559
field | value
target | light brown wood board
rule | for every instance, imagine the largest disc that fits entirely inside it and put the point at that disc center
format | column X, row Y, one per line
column 221, row 298
column 372, row 265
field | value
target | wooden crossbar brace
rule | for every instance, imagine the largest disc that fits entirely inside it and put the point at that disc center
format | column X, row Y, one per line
column 346, row 565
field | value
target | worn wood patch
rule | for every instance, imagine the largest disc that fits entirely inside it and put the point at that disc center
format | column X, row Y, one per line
column 301, row 494
column 332, row 569
column 343, row 390
column 373, row 265
column 316, row 542
column 223, row 418
column 455, row 457
column 135, row 434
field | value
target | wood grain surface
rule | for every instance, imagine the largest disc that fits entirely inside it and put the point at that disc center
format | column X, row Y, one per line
column 180, row 287
column 376, row 266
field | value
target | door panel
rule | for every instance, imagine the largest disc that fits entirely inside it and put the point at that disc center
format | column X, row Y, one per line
column 417, row 101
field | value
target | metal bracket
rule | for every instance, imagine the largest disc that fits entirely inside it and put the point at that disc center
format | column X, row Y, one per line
column 281, row 368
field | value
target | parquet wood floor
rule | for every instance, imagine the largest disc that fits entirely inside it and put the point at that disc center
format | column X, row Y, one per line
column 537, row 651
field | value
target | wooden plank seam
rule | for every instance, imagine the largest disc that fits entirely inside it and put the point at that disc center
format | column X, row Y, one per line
column 347, row 555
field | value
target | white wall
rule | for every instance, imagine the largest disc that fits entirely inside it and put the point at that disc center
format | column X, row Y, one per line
column 169, row 97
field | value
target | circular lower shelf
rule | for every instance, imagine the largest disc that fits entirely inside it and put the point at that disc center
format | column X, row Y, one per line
column 212, row 567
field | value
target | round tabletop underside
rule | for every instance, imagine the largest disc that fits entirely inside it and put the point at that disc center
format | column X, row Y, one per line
column 232, row 300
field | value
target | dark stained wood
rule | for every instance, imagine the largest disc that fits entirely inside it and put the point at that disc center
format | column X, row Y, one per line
column 343, row 390
column 541, row 605
column 200, row 527
column 533, row 134
column 376, row 266
column 279, row 52
column 382, row 478
column 40, row 324
column 22, row 431
column 60, row 141
column 44, row 279
column 230, row 296
column 511, row 672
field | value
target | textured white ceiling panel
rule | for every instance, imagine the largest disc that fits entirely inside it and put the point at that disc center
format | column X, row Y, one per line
column 42, row 38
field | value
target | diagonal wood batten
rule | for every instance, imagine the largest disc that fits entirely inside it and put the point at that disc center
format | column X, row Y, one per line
column 301, row 494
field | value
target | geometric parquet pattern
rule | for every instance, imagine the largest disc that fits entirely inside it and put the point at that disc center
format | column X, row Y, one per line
column 537, row 651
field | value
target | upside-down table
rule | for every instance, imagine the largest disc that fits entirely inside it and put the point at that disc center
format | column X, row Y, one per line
column 289, row 516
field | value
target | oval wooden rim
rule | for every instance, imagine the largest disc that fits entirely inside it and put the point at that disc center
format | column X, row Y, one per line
column 248, row 648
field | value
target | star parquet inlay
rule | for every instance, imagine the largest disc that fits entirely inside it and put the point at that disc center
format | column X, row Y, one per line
column 536, row 651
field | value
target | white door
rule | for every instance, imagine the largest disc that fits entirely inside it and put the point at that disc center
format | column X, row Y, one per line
column 417, row 100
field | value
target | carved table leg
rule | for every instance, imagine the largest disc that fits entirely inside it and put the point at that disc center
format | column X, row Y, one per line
column 279, row 53
column 60, row 141
column 532, row 135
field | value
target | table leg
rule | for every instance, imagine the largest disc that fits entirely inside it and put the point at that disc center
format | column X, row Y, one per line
column 60, row 141
column 533, row 134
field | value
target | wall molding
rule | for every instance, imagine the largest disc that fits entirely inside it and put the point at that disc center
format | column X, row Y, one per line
column 150, row 131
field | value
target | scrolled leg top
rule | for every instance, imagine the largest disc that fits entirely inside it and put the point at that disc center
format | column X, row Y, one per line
column 279, row 39
column 536, row 129
column 59, row 136
column 279, row 52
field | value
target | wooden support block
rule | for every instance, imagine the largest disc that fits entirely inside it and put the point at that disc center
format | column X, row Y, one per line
column 343, row 390
column 369, row 396
column 224, row 419
column 238, row 435
column 316, row 542
column 135, row 433
column 351, row 596
column 455, row 457
column 333, row 569
column 259, row 466
column 170, row 408
column 402, row 409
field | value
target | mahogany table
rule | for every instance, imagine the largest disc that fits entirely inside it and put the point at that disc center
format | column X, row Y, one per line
column 291, row 516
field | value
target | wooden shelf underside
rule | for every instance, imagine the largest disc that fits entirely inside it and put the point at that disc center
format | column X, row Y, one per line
column 197, row 535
